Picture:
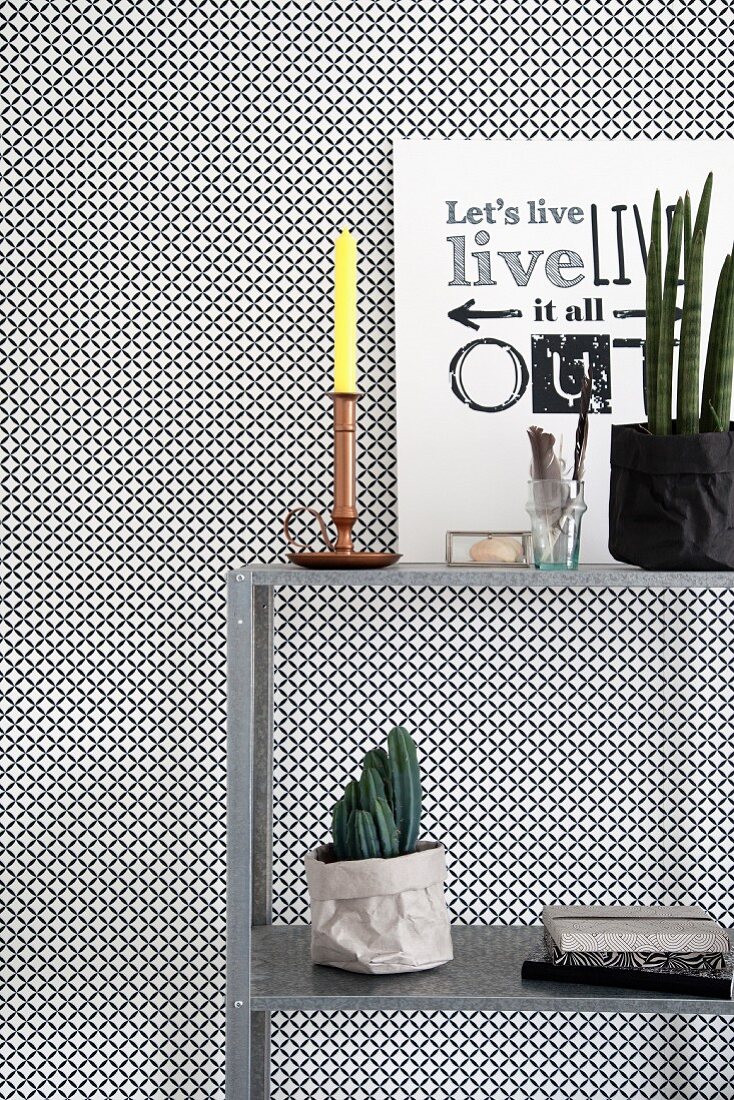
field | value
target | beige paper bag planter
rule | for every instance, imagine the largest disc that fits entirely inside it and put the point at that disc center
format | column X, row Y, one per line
column 379, row 916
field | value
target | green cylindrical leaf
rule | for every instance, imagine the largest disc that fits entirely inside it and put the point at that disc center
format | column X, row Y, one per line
column 702, row 214
column 722, row 396
column 718, row 425
column 653, row 293
column 687, row 416
column 339, row 830
column 716, row 413
column 656, row 233
column 686, row 233
column 371, row 788
column 368, row 846
column 714, row 350
column 387, row 830
column 652, row 336
column 663, row 413
column 406, row 785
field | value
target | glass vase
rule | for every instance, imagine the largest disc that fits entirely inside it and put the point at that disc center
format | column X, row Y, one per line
column 556, row 509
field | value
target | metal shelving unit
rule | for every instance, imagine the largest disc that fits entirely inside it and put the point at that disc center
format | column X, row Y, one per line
column 269, row 968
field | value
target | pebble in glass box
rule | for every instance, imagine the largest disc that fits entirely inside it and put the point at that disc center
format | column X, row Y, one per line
column 376, row 891
column 521, row 267
column 499, row 549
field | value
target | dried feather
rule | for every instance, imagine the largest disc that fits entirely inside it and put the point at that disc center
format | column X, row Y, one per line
column 582, row 429
column 545, row 465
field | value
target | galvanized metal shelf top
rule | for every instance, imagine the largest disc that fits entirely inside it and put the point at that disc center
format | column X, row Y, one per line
column 484, row 976
column 444, row 576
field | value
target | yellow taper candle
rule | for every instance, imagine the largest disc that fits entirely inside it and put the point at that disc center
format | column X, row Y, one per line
column 345, row 313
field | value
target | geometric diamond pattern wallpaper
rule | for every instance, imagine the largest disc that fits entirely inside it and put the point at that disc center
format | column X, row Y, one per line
column 575, row 743
column 501, row 1056
column 172, row 171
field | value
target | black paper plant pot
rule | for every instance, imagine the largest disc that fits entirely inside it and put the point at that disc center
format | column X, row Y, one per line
column 671, row 502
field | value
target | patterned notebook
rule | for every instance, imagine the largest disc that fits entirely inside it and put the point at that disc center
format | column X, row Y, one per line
column 686, row 932
column 715, row 985
column 662, row 961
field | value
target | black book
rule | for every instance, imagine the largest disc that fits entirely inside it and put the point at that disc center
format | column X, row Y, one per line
column 716, row 986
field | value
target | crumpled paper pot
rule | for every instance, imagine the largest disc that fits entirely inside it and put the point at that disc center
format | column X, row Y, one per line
column 379, row 916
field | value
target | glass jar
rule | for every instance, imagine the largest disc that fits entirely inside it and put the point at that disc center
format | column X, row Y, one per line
column 556, row 509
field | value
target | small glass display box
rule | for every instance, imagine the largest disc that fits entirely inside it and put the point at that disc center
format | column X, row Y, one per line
column 499, row 549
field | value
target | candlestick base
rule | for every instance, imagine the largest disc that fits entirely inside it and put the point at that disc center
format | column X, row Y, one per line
column 338, row 559
column 339, row 552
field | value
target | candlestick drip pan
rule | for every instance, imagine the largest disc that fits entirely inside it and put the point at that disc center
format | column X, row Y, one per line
column 336, row 559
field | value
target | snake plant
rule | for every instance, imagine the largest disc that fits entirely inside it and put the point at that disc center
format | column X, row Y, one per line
column 712, row 412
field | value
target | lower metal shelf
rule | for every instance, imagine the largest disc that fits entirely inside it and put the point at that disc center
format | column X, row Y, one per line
column 484, row 976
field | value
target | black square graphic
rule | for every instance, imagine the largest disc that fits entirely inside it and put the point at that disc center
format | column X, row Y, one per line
column 559, row 362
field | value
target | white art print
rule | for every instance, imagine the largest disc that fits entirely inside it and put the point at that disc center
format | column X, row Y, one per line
column 518, row 264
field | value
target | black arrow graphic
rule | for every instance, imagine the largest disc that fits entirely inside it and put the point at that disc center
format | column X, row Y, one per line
column 628, row 314
column 463, row 314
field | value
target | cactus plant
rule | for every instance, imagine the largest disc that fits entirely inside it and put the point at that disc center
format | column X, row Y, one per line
column 387, row 830
column 406, row 786
column 371, row 788
column 368, row 846
column 339, row 827
column 378, row 759
column 378, row 816
column 715, row 403
column 351, row 797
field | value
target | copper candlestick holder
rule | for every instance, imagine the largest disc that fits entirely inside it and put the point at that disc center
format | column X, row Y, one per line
column 339, row 552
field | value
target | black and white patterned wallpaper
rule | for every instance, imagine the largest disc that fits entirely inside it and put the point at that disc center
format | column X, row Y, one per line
column 173, row 171
column 500, row 1056
column 575, row 743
